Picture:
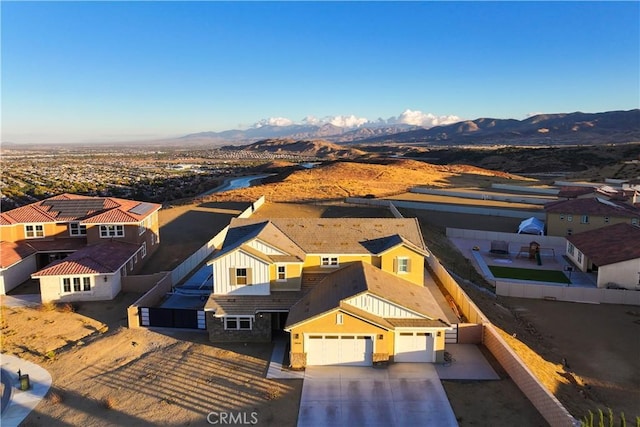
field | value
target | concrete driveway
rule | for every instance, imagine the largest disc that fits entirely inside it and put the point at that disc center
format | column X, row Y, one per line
column 404, row 394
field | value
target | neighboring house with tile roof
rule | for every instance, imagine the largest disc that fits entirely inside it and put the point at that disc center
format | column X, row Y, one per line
column 568, row 217
column 79, row 247
column 267, row 271
column 613, row 252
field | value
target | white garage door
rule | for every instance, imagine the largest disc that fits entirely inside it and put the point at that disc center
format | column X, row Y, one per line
column 414, row 347
column 355, row 350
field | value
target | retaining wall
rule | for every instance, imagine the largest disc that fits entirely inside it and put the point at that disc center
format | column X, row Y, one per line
column 142, row 283
column 479, row 195
column 567, row 293
column 523, row 189
column 500, row 212
column 545, row 402
column 525, row 239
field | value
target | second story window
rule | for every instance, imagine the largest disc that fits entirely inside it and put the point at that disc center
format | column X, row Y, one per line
column 282, row 273
column 33, row 231
column 77, row 229
column 241, row 276
column 329, row 261
column 402, row 265
column 584, row 219
column 111, row 231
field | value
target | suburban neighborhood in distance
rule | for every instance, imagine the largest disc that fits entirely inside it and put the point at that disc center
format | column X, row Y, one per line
column 314, row 214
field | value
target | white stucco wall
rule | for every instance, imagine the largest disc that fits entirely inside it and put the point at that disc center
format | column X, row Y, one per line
column 51, row 289
column 623, row 274
column 17, row 274
column 238, row 259
column 577, row 258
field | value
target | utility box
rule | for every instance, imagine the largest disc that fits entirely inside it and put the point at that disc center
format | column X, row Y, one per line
column 25, row 384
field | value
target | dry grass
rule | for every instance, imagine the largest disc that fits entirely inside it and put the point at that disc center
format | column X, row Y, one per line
column 55, row 397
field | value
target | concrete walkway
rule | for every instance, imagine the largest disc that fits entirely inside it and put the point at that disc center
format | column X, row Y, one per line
column 404, row 394
column 276, row 370
column 20, row 403
column 26, row 300
column 468, row 364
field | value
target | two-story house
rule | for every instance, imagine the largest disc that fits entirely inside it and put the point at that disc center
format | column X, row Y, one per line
column 568, row 217
column 348, row 290
column 79, row 247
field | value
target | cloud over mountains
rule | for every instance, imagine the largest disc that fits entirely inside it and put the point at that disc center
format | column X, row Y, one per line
column 407, row 117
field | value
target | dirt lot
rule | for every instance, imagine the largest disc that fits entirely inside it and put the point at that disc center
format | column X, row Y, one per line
column 105, row 374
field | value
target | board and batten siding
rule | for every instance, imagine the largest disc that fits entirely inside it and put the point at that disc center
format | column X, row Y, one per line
column 264, row 248
column 381, row 307
column 259, row 275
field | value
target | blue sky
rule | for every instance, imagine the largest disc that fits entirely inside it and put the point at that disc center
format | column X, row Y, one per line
column 115, row 71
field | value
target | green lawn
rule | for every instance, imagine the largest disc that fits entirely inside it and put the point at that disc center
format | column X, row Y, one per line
column 529, row 274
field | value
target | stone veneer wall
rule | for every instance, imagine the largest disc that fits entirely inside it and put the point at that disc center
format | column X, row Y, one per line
column 261, row 331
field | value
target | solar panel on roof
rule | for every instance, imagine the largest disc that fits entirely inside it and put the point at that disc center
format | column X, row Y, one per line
column 141, row 208
column 74, row 208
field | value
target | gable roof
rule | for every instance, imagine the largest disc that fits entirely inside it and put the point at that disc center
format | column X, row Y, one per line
column 330, row 235
column 102, row 258
column 609, row 245
column 592, row 206
column 86, row 209
column 240, row 235
column 358, row 278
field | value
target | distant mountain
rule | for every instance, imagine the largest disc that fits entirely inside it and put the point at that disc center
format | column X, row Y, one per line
column 299, row 132
column 307, row 148
column 608, row 127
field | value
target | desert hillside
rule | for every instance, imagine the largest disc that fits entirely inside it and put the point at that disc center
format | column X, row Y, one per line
column 338, row 180
column 307, row 148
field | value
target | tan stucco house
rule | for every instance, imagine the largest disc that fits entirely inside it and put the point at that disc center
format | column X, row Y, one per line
column 568, row 217
column 78, row 247
column 612, row 252
column 267, row 271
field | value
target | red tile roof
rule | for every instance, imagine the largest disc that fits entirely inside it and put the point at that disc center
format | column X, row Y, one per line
column 10, row 253
column 86, row 209
column 593, row 206
column 103, row 258
column 609, row 245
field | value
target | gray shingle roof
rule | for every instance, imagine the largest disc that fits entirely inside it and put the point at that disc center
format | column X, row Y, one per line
column 336, row 235
column 357, row 278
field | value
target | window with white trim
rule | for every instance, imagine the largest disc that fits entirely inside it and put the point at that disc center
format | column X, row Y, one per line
column 403, row 265
column 329, row 261
column 76, row 284
column 241, row 276
column 282, row 273
column 584, row 219
column 580, row 257
column 339, row 319
column 635, row 221
column 144, row 249
column 569, row 218
column 33, row 231
column 107, row 231
column 571, row 249
column 607, row 220
column 77, row 229
column 237, row 323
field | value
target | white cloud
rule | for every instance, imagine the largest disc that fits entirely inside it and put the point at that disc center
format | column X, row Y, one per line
column 418, row 118
column 408, row 117
column 346, row 121
column 274, row 121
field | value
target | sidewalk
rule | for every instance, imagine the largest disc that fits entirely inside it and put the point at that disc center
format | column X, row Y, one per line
column 20, row 403
column 276, row 371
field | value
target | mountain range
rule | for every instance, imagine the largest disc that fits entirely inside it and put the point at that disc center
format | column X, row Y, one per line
column 563, row 128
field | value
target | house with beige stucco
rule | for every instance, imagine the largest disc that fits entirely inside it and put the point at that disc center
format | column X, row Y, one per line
column 77, row 247
column 346, row 290
column 612, row 253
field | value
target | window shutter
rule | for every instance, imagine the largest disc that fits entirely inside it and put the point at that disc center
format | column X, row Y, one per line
column 249, row 276
column 232, row 276
column 395, row 265
column 408, row 265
